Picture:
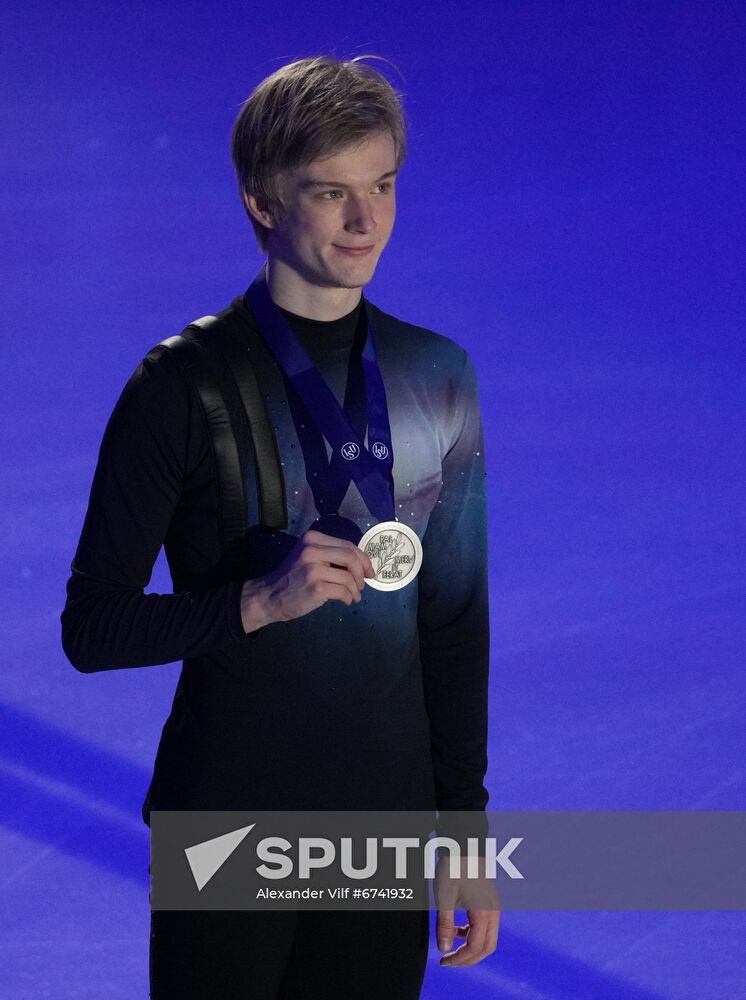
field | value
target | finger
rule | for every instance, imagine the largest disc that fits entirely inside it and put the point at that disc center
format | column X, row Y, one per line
column 474, row 950
column 343, row 577
column 471, row 952
column 339, row 552
column 490, row 943
column 319, row 569
column 444, row 930
column 324, row 583
column 346, row 590
column 492, row 929
column 363, row 558
column 367, row 563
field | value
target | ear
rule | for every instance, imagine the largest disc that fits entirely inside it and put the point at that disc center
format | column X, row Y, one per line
column 259, row 209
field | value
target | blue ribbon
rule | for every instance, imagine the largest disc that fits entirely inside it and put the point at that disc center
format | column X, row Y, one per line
column 370, row 468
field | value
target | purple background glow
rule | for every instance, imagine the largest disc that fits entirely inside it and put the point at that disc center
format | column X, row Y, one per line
column 571, row 212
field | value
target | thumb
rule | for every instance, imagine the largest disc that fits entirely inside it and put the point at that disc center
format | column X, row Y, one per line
column 445, row 930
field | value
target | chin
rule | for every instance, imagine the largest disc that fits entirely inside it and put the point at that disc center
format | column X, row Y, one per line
column 353, row 277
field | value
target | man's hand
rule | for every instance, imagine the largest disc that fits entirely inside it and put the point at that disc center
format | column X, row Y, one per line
column 318, row 569
column 480, row 933
column 471, row 894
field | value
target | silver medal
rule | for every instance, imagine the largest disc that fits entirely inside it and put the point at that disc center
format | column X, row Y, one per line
column 396, row 553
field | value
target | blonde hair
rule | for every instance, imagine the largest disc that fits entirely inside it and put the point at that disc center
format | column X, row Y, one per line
column 306, row 110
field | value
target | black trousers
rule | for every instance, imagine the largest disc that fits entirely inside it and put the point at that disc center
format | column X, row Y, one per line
column 288, row 954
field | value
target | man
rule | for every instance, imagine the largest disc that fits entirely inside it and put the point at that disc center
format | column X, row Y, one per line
column 303, row 687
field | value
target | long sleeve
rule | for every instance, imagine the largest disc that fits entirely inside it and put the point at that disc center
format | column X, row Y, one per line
column 108, row 622
column 453, row 611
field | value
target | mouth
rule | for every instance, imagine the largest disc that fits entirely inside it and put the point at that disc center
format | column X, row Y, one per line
column 354, row 251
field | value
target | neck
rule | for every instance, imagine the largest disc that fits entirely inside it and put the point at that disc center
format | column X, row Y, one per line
column 289, row 291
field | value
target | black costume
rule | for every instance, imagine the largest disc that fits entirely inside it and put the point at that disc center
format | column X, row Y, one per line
column 380, row 705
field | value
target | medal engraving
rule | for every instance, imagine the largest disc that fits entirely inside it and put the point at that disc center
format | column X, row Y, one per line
column 396, row 553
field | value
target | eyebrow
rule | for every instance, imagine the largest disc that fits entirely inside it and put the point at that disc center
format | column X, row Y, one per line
column 338, row 184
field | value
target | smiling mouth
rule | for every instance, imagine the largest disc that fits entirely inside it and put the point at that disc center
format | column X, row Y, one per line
column 354, row 250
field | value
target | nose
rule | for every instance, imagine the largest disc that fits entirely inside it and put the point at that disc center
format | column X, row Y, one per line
column 360, row 214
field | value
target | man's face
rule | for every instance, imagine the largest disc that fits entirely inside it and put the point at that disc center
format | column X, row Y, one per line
column 355, row 206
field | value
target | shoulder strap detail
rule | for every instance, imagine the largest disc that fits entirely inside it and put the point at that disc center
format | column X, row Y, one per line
column 230, row 337
column 200, row 373
column 216, row 366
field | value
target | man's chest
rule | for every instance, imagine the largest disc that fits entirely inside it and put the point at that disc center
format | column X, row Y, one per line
column 417, row 436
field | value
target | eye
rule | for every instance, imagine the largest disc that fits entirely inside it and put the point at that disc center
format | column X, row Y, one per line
column 384, row 184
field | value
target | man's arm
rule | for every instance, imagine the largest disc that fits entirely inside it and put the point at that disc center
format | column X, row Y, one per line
column 453, row 613
column 108, row 622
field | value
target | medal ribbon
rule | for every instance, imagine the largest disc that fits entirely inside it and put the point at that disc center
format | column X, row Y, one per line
column 371, row 470
column 329, row 480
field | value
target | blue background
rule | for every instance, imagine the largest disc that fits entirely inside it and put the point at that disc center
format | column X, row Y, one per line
column 571, row 212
